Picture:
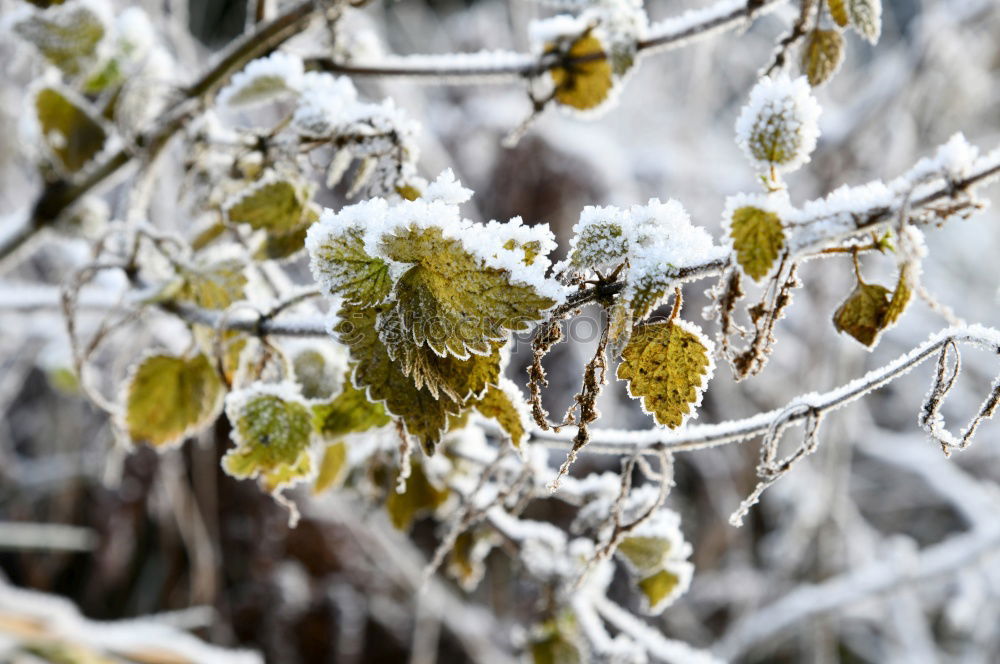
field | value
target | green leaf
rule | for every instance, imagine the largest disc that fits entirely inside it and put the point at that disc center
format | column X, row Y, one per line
column 866, row 18
column 644, row 553
column 822, row 56
column 451, row 300
column 169, row 398
column 277, row 207
column 332, row 468
column 667, row 365
column 349, row 412
column 862, row 315
column 598, row 244
column 421, row 497
column 505, row 404
column 341, row 264
column 214, row 285
column 583, row 85
column 659, row 589
column 422, row 415
column 558, row 641
column 67, row 37
column 69, row 128
column 758, row 238
column 272, row 432
column 838, row 10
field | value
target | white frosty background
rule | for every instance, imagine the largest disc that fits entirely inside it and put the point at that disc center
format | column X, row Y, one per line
column 877, row 517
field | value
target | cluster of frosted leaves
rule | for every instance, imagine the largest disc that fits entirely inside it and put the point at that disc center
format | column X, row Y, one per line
column 754, row 225
column 656, row 556
column 667, row 365
column 279, row 208
column 657, row 241
column 168, row 398
column 595, row 50
column 864, row 16
column 779, row 126
column 327, row 110
column 428, row 300
column 870, row 309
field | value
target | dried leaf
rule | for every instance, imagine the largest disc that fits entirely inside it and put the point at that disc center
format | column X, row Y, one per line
column 506, row 405
column 862, row 315
column 667, row 365
column 900, row 298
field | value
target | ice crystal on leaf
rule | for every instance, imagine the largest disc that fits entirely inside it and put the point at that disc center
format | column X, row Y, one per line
column 779, row 126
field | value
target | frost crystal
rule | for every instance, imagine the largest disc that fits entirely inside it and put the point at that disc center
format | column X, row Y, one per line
column 778, row 127
column 264, row 80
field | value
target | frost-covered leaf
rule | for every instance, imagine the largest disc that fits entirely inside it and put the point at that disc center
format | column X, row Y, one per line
column 600, row 239
column 332, row 467
column 272, row 431
column 838, row 10
column 69, row 128
column 66, row 36
column 758, row 238
column 586, row 84
column 423, row 416
column 421, row 497
column 169, row 398
column 645, row 553
column 659, row 589
column 275, row 206
column 778, row 127
column 340, row 263
column 667, row 365
column 319, row 369
column 822, row 56
column 451, row 300
column 866, row 18
column 264, row 80
column 349, row 412
column 900, row 297
column 506, row 405
column 862, row 315
column 213, row 285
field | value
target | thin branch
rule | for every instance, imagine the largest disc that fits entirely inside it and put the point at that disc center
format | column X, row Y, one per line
column 58, row 196
column 500, row 67
column 653, row 441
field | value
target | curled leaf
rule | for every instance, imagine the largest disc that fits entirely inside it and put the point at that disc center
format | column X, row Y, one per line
column 862, row 315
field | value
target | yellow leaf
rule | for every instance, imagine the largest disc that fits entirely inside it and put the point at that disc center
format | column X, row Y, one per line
column 822, row 56
column 862, row 315
column 583, row 84
column 272, row 433
column 278, row 207
column 170, row 398
column 557, row 641
column 69, row 129
column 667, row 365
column 349, row 412
column 644, row 553
column 420, row 497
column 213, row 285
column 659, row 589
column 68, row 37
column 505, row 404
column 758, row 238
column 332, row 468
column 838, row 10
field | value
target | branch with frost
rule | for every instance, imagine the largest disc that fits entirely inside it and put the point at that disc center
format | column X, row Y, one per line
column 696, row 437
column 502, row 66
column 947, row 557
column 59, row 195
